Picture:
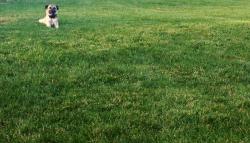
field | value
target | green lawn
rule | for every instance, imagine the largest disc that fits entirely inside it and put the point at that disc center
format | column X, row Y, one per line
column 126, row 71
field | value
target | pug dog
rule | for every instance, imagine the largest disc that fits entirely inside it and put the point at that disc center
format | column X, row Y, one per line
column 50, row 19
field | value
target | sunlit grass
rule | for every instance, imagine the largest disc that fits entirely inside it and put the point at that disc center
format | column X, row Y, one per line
column 125, row 71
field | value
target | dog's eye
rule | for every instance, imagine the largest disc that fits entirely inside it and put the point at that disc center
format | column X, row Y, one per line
column 49, row 7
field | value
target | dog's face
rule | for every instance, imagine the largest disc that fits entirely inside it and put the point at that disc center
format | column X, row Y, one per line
column 51, row 10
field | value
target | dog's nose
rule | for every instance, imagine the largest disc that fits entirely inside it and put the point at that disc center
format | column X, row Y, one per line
column 54, row 10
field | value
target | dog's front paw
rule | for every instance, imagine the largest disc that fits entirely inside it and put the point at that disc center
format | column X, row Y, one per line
column 40, row 20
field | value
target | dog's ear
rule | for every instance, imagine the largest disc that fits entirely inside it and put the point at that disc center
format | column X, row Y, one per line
column 46, row 6
column 57, row 7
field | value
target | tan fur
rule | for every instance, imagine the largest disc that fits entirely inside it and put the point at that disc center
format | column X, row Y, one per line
column 49, row 22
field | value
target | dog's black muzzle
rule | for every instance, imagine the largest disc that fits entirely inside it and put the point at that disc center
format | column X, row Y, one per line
column 52, row 13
